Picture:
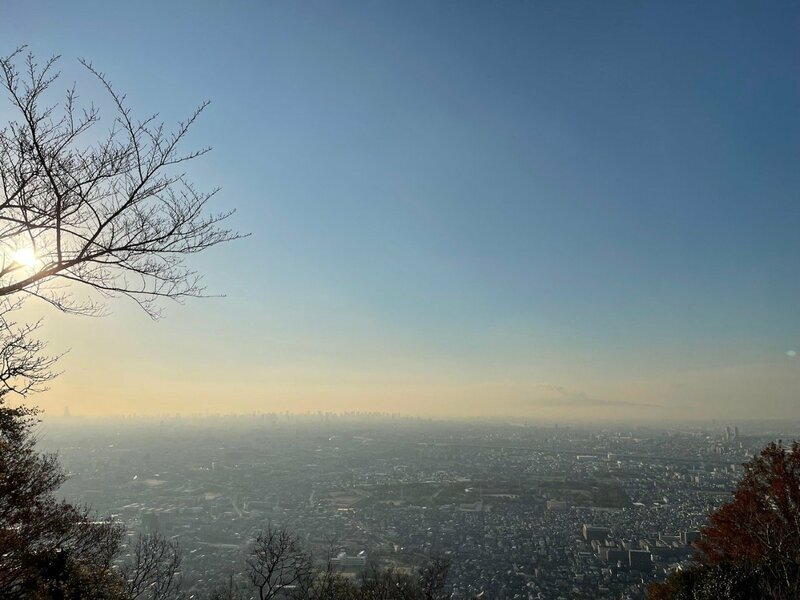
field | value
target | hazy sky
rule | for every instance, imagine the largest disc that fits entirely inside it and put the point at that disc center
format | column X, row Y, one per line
column 544, row 209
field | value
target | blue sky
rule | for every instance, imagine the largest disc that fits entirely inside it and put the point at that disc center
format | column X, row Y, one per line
column 462, row 208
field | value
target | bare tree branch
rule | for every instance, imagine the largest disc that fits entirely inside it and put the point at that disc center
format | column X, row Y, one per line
column 109, row 211
column 153, row 570
column 277, row 562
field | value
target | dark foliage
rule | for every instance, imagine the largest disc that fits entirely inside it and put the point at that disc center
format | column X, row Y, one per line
column 48, row 548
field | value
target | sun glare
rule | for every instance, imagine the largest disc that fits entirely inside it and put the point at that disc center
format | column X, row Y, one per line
column 25, row 257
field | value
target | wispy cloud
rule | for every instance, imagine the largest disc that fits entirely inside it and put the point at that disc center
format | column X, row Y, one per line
column 557, row 395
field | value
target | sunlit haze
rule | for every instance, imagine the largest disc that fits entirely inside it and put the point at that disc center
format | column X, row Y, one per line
column 25, row 257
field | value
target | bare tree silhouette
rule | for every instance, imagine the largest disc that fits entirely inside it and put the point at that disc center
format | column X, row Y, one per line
column 153, row 570
column 277, row 563
column 109, row 211
column 85, row 215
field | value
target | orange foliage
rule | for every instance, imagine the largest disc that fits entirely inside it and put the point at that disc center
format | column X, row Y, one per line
column 763, row 519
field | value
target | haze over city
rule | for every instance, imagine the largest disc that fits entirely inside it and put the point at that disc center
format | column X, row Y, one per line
column 553, row 211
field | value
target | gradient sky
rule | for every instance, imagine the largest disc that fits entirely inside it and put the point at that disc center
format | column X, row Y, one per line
column 555, row 210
